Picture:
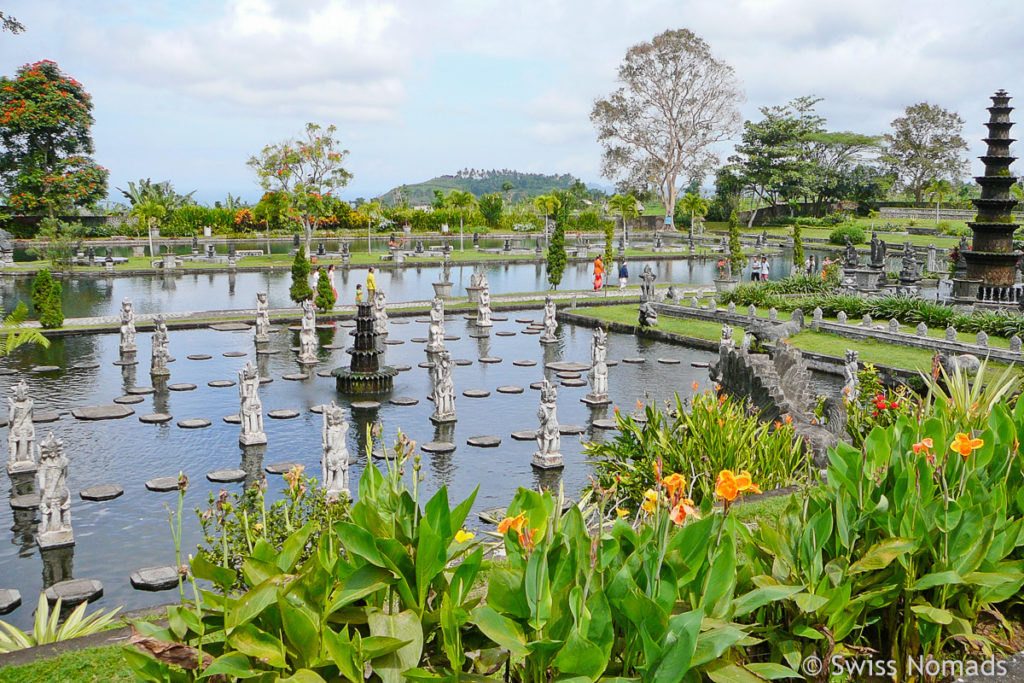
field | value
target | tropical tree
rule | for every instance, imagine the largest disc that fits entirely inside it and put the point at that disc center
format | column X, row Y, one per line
column 695, row 205
column 546, row 205
column 625, row 206
column 460, row 200
column 162, row 193
column 45, row 122
column 374, row 213
column 507, row 188
column 300, row 289
column 325, row 297
column 938, row 188
column 557, row 257
column 736, row 258
column 13, row 333
column 490, row 206
column 675, row 101
column 925, row 143
column 149, row 213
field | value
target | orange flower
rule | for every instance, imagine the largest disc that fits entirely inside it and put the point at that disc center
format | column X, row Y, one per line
column 673, row 483
column 745, row 483
column 695, row 386
column 778, row 424
column 526, row 538
column 789, row 419
column 922, row 445
column 515, row 523
column 683, row 510
column 964, row 444
column 639, row 405
column 725, row 487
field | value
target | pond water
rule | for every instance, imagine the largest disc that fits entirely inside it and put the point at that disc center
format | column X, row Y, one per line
column 116, row 537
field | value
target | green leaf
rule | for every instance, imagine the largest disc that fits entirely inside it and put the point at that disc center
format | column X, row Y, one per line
column 258, row 644
column 759, row 597
column 772, row 671
column 363, row 582
column 680, row 642
column 502, row 630
column 359, row 541
column 252, row 603
column 805, row 631
column 300, row 627
column 233, row 664
column 403, row 626
column 431, row 554
column 204, row 569
column 343, row 654
column 724, row 671
column 932, row 614
column 378, row 646
column 936, row 579
column 809, row 602
column 303, row 676
column 580, row 657
column 293, row 546
column 881, row 554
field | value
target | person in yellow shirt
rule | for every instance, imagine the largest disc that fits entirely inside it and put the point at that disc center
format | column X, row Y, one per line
column 371, row 285
column 359, row 293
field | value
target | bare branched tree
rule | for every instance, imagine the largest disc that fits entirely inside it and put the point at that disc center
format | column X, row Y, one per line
column 674, row 103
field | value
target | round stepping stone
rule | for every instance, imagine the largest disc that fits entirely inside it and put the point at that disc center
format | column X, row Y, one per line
column 393, row 342
column 635, row 361
column 194, row 423
column 111, row 412
column 46, row 368
column 10, row 599
column 325, row 326
column 7, row 371
column 505, row 333
column 267, row 352
column 423, row 320
column 524, row 363
column 221, row 383
column 228, row 476
column 476, row 393
column 605, row 424
column 234, row 354
column 537, row 385
column 402, row 368
column 471, row 316
column 124, row 363
column 155, row 418
column 425, row 364
column 318, row 409
column 574, row 382
column 181, row 386
column 523, row 320
column 101, row 492
column 419, row 340
column 567, row 366
column 280, row 467
column 28, row 501
column 611, row 363
column 44, row 417
column 525, row 435
column 199, row 356
column 332, row 347
column 266, row 380
column 382, row 454
column 669, row 361
column 404, row 401
column 567, row 375
column 296, row 349
column 462, row 362
column 499, row 318
column 438, row 447
column 3, row 421
column 484, row 441
column 154, row 578
column 571, row 429
column 295, row 376
column 699, row 364
column 365, row 405
column 348, row 323
column 229, row 327
column 478, row 335
column 85, row 366
column 510, row 389
column 326, row 372
column 74, row 591
column 282, row 414
column 140, row 391
column 128, row 400
column 489, row 359
column 232, row 419
column 531, row 331
column 162, row 484
column 399, row 322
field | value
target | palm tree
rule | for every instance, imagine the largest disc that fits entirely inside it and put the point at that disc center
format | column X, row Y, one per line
column 373, row 211
column 695, row 205
column 507, row 187
column 546, row 205
column 149, row 212
column 461, row 200
column 938, row 188
column 625, row 206
column 13, row 335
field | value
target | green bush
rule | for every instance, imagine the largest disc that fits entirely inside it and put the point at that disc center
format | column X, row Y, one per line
column 41, row 286
column 556, row 248
column 52, row 315
column 300, row 289
column 838, row 235
column 736, row 258
column 324, row 293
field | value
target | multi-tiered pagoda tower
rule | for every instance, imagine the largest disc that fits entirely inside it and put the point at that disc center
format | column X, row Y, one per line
column 365, row 375
column 991, row 260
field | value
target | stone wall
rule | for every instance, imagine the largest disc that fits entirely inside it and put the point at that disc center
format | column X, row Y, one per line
column 929, row 214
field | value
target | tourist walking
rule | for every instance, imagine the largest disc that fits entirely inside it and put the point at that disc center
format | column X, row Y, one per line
column 598, row 273
column 359, row 293
column 371, row 284
column 316, row 278
column 755, row 269
column 764, row 268
column 623, row 275
column 330, row 278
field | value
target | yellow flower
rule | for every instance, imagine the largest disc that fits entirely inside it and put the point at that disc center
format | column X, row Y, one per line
column 964, row 444
column 650, row 501
column 463, row 536
column 621, row 512
column 258, row 527
column 683, row 510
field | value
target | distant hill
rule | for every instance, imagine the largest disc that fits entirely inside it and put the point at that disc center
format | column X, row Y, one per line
column 480, row 182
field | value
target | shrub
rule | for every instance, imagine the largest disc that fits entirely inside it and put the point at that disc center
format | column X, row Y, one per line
column 300, row 289
column 52, row 315
column 556, row 248
column 736, row 258
column 46, row 626
column 324, row 293
column 41, row 286
column 798, row 248
column 838, row 235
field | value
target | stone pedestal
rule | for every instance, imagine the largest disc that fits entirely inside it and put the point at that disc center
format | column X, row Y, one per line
column 169, row 261
column 547, row 461
column 443, row 289
column 966, row 291
column 472, row 292
column 862, row 279
column 55, row 539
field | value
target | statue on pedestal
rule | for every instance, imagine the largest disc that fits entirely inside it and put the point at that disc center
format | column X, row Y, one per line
column 380, row 315
column 549, row 443
column 878, row 248
column 851, row 259
column 334, row 459
column 127, row 344
column 307, row 334
column 262, row 319
column 483, row 309
column 550, row 323
column 435, row 334
column 647, row 278
column 250, row 410
column 159, row 355
column 444, row 389
column 851, row 389
column 598, row 374
column 21, row 437
column 55, row 498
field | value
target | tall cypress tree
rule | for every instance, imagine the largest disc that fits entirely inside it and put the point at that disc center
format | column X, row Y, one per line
column 736, row 258
column 556, row 249
column 300, row 289
column 324, row 294
column 798, row 247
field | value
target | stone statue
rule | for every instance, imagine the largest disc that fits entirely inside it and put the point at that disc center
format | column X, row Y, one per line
column 646, row 315
column 380, row 315
column 54, row 496
column 435, row 334
column 549, row 322
column 911, row 268
column 475, row 278
column 159, row 355
column 851, row 389
column 726, row 340
column 262, row 319
column 307, row 334
column 647, row 278
column 483, row 309
column 21, row 437
column 334, row 459
column 250, row 410
column 852, row 260
column 195, row 244
column 127, row 344
column 877, row 252
column 444, row 389
column 598, row 374
column 549, row 443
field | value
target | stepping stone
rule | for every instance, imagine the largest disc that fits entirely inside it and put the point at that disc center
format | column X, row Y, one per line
column 128, row 400
column 232, row 419
column 101, row 492
column 194, row 423
column 611, row 363
column 162, row 484
column 499, row 318
column 491, row 515
column 567, row 375
column 425, row 364
column 382, row 454
column 266, row 380
column 326, row 372
column 85, row 366
column 438, row 447
column 325, row 326
column 124, row 363
column 295, row 328
column 221, row 383
column 419, row 340
column 571, row 429
column 402, row 368
column 111, row 412
column 267, row 352
column 332, row 347
column 524, row 363
column 348, row 323
column 229, row 327
column 471, row 316
column 318, row 409
column 181, row 386
column 636, row 361
column 462, row 362
column 567, row 366
column 404, row 401
column 536, row 385
column 505, row 333
column 574, row 382
column 3, row 421
column 155, row 418
column 489, row 359
column 46, row 368
column 296, row 349
column 295, row 376
column 74, row 591
column 10, row 599
column 280, row 467
column 529, row 331
column 28, row 501
column 140, row 391
column 423, row 320
column 525, row 435
column 154, row 578
column 365, row 405
column 521, row 320
column 476, row 393
column 228, row 476
column 699, row 364
column 478, row 335
column 393, row 342
column 484, row 441
column 7, row 371
column 399, row 322
column 234, row 354
column 510, row 389
column 199, row 356
column 669, row 361
column 282, row 414
column 605, row 424
column 44, row 417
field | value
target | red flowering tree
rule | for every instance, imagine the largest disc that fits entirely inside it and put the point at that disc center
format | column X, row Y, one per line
column 304, row 172
column 45, row 162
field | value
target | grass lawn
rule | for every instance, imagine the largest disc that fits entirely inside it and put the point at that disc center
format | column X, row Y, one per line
column 99, row 665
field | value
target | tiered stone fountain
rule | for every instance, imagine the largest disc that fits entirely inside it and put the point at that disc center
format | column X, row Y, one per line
column 365, row 374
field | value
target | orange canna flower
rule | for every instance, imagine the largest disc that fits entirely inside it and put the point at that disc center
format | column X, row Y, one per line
column 964, row 444
column 922, row 445
column 745, row 483
column 789, row 419
column 515, row 523
column 778, row 424
column 695, row 385
column 673, row 483
column 639, row 405
column 725, row 487
column 526, row 538
column 683, row 510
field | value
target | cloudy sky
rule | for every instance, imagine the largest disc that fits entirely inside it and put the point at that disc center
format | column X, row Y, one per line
column 187, row 90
